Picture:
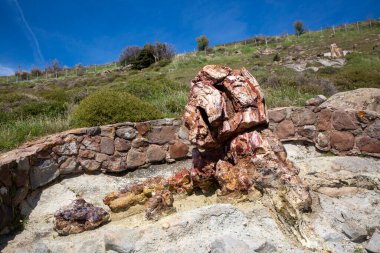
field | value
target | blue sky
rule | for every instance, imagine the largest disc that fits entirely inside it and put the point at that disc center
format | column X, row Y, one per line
column 33, row 32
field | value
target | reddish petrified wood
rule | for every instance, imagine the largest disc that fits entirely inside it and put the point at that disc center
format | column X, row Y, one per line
column 78, row 217
column 227, row 119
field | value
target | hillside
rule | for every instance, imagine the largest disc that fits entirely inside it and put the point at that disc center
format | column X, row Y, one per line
column 42, row 106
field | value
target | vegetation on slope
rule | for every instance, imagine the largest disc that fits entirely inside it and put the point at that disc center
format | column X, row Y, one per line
column 43, row 106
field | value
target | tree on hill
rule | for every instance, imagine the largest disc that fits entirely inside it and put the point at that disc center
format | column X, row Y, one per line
column 53, row 66
column 129, row 55
column 145, row 58
column 299, row 27
column 163, row 51
column 36, row 72
column 202, row 42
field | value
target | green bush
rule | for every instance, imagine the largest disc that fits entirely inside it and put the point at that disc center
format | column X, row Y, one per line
column 107, row 107
column 144, row 59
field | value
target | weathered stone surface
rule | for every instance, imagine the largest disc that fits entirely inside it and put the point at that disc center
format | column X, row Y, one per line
column 374, row 243
column 341, row 120
column 42, row 173
column 22, row 172
column 178, row 150
column 324, row 120
column 107, row 146
column 92, row 131
column 285, row 129
column 277, row 114
column 335, row 51
column 122, row 145
column 160, row 204
column 161, row 135
column 228, row 244
column 88, row 154
column 78, row 217
column 69, row 166
column 323, row 141
column 367, row 99
column 107, row 131
column 114, row 164
column 307, row 131
column 342, row 141
column 304, row 116
column 90, row 165
column 136, row 158
column 142, row 127
column 92, row 143
column 368, row 144
column 373, row 130
column 315, row 101
column 5, row 216
column 354, row 231
column 155, row 153
column 127, row 133
column 101, row 157
column 5, row 176
column 70, row 148
column 140, row 142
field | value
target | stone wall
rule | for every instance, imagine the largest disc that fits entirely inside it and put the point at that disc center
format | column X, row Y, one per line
column 125, row 146
column 343, row 132
column 109, row 149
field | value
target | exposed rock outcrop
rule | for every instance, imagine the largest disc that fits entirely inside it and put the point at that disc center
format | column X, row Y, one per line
column 367, row 99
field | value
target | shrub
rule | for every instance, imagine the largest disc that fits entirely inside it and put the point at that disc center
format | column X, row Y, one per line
column 202, row 42
column 53, row 66
column 36, row 72
column 163, row 51
column 21, row 75
column 145, row 58
column 107, row 107
column 299, row 27
column 276, row 57
column 79, row 70
column 129, row 55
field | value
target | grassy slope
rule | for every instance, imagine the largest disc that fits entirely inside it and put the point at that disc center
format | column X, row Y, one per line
column 39, row 107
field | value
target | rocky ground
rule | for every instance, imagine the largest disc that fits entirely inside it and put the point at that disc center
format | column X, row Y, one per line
column 345, row 214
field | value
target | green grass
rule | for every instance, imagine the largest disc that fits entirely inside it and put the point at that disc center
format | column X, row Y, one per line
column 41, row 106
column 21, row 130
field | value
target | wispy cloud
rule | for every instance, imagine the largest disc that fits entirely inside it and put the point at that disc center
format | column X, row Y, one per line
column 34, row 40
column 6, row 71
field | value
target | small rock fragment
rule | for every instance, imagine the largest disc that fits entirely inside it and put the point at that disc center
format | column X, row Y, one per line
column 78, row 217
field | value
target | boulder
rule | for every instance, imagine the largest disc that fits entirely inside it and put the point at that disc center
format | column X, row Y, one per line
column 367, row 99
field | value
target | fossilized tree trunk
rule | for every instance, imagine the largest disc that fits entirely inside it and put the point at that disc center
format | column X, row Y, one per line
column 227, row 120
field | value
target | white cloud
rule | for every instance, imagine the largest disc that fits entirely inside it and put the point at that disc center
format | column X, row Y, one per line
column 35, row 43
column 6, row 71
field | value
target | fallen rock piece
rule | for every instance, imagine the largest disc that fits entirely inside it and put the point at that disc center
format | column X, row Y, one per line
column 315, row 101
column 354, row 232
column 78, row 217
column 373, row 245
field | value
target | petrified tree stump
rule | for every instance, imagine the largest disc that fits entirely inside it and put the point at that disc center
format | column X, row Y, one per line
column 227, row 120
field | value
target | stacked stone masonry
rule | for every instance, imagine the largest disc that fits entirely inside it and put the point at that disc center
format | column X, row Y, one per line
column 127, row 146
column 342, row 132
